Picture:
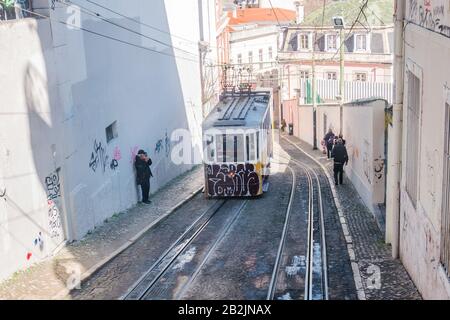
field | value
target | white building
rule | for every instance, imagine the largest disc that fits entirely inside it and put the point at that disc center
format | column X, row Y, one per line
column 255, row 46
column 77, row 104
column 367, row 47
column 418, row 205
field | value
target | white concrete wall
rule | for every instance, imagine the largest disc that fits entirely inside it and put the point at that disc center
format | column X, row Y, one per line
column 29, row 136
column 364, row 132
column 426, row 55
column 306, row 124
column 60, row 88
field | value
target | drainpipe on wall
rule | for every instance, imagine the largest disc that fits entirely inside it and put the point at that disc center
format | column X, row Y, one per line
column 395, row 140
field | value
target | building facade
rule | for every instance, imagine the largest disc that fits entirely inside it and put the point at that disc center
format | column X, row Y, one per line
column 367, row 48
column 79, row 97
column 418, row 212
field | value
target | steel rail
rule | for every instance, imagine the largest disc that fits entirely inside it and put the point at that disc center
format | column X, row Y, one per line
column 310, row 171
column 210, row 251
column 273, row 280
column 178, row 249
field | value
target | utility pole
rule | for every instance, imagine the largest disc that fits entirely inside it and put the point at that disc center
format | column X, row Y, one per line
column 341, row 80
column 313, row 76
column 338, row 23
column 395, row 137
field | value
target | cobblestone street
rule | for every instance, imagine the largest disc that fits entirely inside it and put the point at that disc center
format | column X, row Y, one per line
column 371, row 253
column 115, row 255
column 49, row 279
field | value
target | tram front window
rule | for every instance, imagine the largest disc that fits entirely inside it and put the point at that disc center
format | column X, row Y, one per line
column 239, row 148
column 230, row 148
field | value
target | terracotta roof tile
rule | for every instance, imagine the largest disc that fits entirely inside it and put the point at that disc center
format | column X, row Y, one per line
column 250, row 15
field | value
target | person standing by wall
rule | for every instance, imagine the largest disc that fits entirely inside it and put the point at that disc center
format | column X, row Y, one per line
column 329, row 141
column 340, row 156
column 143, row 173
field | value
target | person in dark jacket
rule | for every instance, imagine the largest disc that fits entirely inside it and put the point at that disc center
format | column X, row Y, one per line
column 329, row 139
column 341, row 136
column 340, row 156
column 143, row 174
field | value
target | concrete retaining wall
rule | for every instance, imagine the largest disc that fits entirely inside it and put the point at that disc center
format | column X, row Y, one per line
column 60, row 88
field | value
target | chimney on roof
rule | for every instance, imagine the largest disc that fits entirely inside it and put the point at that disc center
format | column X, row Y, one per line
column 300, row 10
column 235, row 11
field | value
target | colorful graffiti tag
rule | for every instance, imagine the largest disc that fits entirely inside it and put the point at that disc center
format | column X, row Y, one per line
column 232, row 180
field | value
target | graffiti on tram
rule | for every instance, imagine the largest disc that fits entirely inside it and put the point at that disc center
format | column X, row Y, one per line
column 228, row 180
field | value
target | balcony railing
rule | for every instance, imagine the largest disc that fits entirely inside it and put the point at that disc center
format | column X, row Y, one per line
column 14, row 9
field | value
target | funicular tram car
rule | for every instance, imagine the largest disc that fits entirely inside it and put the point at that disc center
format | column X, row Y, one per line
column 237, row 137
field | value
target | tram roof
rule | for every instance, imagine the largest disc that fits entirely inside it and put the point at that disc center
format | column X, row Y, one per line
column 244, row 109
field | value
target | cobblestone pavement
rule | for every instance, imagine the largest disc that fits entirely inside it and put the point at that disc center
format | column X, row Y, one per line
column 371, row 253
column 49, row 279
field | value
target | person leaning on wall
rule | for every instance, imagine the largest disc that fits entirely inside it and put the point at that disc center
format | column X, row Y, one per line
column 142, row 164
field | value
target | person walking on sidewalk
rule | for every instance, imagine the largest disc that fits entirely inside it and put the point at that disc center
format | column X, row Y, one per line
column 340, row 156
column 341, row 136
column 329, row 140
column 143, row 174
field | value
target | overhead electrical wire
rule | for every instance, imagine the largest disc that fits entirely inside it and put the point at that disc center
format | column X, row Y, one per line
column 351, row 28
column 106, row 36
column 99, row 16
column 145, row 24
column 273, row 10
column 139, row 22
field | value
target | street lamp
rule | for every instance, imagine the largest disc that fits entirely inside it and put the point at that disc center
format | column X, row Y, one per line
column 338, row 23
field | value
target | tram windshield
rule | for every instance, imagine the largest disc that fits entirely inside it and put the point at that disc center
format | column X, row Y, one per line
column 232, row 147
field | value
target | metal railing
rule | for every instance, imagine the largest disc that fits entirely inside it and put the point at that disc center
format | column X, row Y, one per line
column 328, row 90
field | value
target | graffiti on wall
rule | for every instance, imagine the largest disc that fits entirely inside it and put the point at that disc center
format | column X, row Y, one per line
column 114, row 164
column 366, row 167
column 116, row 154
column 54, row 218
column 158, row 146
column 133, row 153
column 53, row 188
column 39, row 241
column 163, row 144
column 429, row 14
column 167, row 144
column 52, row 185
column 98, row 157
column 378, row 169
column 232, row 180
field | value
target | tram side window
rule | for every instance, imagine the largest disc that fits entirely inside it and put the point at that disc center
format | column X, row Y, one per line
column 220, row 143
column 251, row 147
column 210, row 149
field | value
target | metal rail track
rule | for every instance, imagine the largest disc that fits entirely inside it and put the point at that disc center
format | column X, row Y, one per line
column 138, row 290
column 149, row 280
column 310, row 278
column 273, row 280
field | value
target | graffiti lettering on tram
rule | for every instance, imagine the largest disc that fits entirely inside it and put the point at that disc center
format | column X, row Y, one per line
column 232, row 180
